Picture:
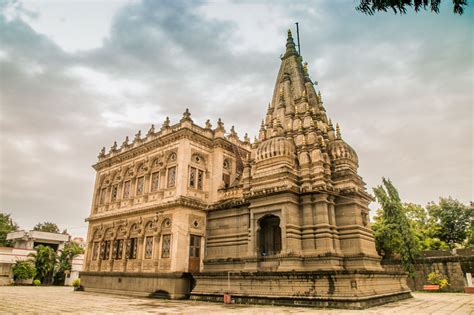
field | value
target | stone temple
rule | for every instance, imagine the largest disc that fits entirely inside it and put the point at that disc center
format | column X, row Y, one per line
column 195, row 212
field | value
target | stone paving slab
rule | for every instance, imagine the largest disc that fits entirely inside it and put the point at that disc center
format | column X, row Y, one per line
column 59, row 300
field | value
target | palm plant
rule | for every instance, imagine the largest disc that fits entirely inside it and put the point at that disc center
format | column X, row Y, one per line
column 45, row 260
column 65, row 258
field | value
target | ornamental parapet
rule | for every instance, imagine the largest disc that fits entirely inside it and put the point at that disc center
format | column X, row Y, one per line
column 156, row 138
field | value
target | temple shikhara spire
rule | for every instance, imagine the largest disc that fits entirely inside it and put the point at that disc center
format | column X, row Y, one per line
column 189, row 204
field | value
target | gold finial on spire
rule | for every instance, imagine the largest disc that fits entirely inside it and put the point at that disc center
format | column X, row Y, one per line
column 338, row 131
column 289, row 32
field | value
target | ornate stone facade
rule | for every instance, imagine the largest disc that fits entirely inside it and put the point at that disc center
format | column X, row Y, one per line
column 288, row 206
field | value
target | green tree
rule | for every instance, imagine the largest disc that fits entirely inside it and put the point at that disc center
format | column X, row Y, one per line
column 423, row 228
column 6, row 226
column 451, row 220
column 67, row 254
column 46, row 227
column 23, row 270
column 470, row 233
column 45, row 260
column 393, row 230
column 400, row 6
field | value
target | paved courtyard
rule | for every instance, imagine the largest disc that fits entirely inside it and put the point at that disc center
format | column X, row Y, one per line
column 51, row 300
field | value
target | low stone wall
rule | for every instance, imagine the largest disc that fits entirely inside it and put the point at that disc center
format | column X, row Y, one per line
column 453, row 264
column 335, row 289
column 6, row 277
column 160, row 285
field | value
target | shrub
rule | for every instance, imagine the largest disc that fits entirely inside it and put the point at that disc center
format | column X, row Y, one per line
column 36, row 282
column 23, row 270
column 76, row 283
column 438, row 278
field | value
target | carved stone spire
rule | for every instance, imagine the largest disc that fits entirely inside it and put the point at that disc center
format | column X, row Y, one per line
column 262, row 132
column 306, row 73
column 290, row 46
column 338, row 131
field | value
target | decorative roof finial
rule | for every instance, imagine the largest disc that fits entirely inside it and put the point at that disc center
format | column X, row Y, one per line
column 290, row 46
column 166, row 123
column 138, row 136
column 338, row 131
column 246, row 138
column 232, row 132
column 113, row 148
column 151, row 131
column 208, row 124
column 220, row 124
column 125, row 142
column 186, row 115
column 101, row 153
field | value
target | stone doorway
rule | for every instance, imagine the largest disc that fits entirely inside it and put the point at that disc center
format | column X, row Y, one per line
column 269, row 236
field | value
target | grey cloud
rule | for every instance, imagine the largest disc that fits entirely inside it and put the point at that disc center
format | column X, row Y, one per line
column 402, row 96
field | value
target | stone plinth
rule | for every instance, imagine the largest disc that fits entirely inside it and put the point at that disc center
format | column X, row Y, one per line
column 335, row 289
column 162, row 285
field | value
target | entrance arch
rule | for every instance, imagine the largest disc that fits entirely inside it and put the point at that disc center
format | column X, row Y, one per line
column 269, row 235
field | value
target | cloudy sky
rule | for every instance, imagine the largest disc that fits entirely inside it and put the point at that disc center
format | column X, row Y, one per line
column 78, row 75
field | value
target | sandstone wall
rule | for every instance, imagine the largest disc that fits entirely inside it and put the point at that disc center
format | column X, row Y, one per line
column 454, row 265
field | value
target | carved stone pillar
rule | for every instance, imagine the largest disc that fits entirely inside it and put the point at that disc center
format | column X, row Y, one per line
column 307, row 231
column 323, row 237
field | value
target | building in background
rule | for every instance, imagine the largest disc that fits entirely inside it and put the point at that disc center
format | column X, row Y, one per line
column 23, row 244
column 31, row 239
column 195, row 211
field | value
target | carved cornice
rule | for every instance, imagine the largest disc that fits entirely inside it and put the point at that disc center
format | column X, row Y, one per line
column 179, row 202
